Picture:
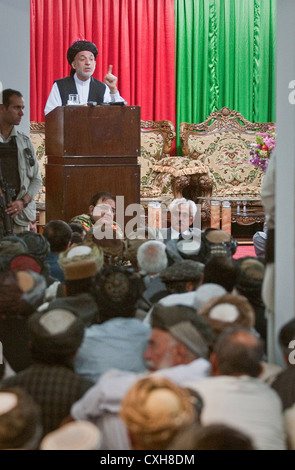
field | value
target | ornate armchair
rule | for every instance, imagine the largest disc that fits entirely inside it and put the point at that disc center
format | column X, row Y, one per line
column 222, row 143
column 163, row 177
column 37, row 135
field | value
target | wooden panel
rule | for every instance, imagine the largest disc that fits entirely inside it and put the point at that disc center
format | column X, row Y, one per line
column 100, row 130
column 69, row 188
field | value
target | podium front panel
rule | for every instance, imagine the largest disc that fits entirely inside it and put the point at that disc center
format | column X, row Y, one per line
column 93, row 131
column 69, row 187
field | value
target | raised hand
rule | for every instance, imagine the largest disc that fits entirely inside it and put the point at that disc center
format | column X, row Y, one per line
column 111, row 80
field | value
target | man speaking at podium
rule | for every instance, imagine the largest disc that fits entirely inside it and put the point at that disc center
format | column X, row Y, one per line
column 81, row 56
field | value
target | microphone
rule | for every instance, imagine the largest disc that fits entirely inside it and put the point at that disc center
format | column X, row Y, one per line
column 29, row 156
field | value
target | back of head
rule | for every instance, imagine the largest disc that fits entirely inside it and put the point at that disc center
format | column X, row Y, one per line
column 13, row 245
column 222, row 437
column 37, row 244
column 151, row 257
column 55, row 335
column 216, row 242
column 238, row 351
column 206, row 292
column 186, row 326
column 80, row 265
column 20, row 420
column 154, row 410
column 77, row 435
column 222, row 270
column 228, row 310
column 111, row 245
column 58, row 233
column 250, row 277
column 117, row 291
column 21, row 292
column 134, row 240
column 10, row 246
column 178, row 274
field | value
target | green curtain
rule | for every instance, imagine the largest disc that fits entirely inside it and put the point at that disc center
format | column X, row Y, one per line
column 225, row 56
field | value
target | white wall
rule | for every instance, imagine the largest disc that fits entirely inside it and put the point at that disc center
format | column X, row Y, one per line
column 15, row 51
column 285, row 168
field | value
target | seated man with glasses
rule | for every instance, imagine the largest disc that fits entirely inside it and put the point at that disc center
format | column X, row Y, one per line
column 102, row 207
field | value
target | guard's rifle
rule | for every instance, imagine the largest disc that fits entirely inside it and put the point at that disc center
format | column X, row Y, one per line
column 7, row 192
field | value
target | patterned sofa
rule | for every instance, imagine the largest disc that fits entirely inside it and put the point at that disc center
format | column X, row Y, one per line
column 37, row 135
column 163, row 176
column 222, row 143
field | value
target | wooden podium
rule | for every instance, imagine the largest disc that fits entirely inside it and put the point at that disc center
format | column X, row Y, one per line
column 90, row 149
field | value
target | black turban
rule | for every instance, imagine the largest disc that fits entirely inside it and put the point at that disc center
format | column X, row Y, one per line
column 79, row 46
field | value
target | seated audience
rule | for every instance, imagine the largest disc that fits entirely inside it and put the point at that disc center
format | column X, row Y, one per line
column 216, row 242
column 185, row 276
column 222, row 270
column 119, row 339
column 20, row 420
column 21, row 293
column 58, row 233
column 228, row 310
column 235, row 396
column 101, row 206
column 78, row 228
column 54, row 338
column 154, row 410
column 77, row 435
column 222, row 437
column 284, row 383
column 39, row 248
column 151, row 260
column 178, row 349
column 133, row 241
column 80, row 265
column 249, row 284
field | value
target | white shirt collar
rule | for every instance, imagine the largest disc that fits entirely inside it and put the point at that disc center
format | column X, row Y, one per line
column 81, row 82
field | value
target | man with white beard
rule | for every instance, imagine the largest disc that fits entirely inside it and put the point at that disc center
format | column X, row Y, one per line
column 178, row 349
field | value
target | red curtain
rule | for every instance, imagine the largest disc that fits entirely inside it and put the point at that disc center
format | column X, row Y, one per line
column 136, row 36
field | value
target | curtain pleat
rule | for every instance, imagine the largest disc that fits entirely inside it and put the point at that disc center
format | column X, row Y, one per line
column 176, row 59
column 137, row 37
column 225, row 57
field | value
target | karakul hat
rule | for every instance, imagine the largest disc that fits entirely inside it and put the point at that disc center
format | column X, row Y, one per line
column 81, row 261
column 80, row 270
column 12, row 246
column 228, row 310
column 186, row 270
column 57, row 332
column 78, row 46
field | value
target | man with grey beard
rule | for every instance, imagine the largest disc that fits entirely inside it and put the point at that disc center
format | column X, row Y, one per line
column 178, row 348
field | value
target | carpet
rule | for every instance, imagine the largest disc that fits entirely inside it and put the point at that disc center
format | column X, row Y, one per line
column 244, row 250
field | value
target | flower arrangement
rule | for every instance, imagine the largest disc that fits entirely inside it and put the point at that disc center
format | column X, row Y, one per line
column 262, row 148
